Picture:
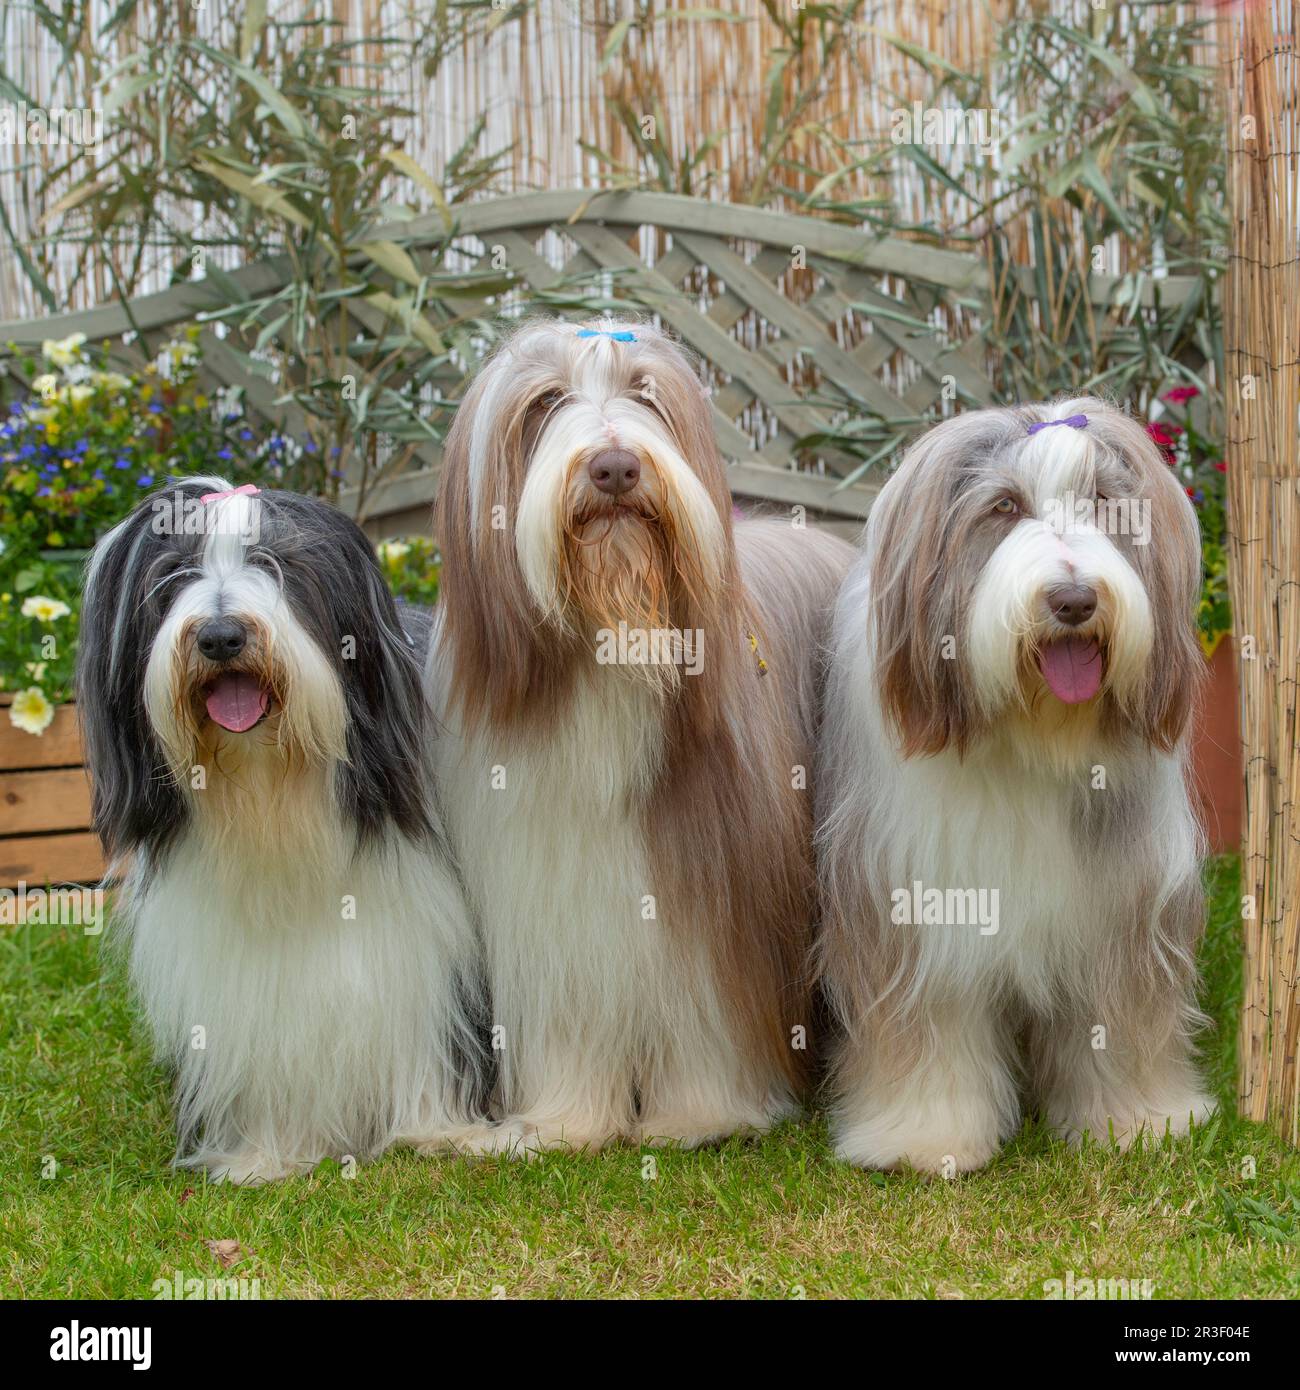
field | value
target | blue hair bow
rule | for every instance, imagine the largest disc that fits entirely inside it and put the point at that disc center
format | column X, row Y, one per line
column 621, row 337
column 1075, row 422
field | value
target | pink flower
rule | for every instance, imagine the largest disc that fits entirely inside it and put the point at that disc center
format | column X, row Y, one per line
column 1160, row 435
column 1181, row 393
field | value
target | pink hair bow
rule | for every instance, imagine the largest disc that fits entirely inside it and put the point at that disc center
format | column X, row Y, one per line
column 248, row 490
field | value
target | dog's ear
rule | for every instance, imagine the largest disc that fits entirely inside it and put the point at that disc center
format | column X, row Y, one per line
column 383, row 778
column 332, row 581
column 135, row 802
column 504, row 666
column 916, row 615
column 671, row 388
column 1170, row 568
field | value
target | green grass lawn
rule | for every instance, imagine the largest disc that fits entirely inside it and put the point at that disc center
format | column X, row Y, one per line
column 776, row 1219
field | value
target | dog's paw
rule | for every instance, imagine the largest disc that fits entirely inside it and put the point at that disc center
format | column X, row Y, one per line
column 249, row 1169
column 695, row 1132
column 892, row 1148
column 1127, row 1126
column 526, row 1138
column 468, row 1140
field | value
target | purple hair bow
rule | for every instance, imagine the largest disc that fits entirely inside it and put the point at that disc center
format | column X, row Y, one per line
column 621, row 337
column 1075, row 422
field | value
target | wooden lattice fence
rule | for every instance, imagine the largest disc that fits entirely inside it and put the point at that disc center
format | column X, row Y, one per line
column 825, row 348
column 802, row 327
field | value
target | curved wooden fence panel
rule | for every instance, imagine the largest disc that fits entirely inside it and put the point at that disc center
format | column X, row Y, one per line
column 800, row 325
column 825, row 348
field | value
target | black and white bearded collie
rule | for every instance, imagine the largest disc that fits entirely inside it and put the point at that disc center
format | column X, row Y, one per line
column 628, row 684
column 257, row 737
column 1008, row 856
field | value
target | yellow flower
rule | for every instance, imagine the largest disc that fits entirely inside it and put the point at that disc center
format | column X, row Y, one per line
column 44, row 609
column 111, row 381
column 63, row 351
column 390, row 552
column 31, row 711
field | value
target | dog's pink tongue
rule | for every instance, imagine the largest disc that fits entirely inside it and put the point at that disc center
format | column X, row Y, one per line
column 237, row 701
column 1072, row 669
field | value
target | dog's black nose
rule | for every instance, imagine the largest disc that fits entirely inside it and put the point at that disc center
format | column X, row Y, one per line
column 614, row 471
column 1072, row 604
column 222, row 639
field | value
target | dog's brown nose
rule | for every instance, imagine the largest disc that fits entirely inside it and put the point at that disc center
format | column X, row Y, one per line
column 1072, row 604
column 614, row 471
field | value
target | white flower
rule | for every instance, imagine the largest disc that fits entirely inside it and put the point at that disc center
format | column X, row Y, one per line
column 77, row 394
column 36, row 670
column 45, row 386
column 64, row 351
column 31, row 711
column 112, row 381
column 392, row 551
column 227, row 402
column 45, row 609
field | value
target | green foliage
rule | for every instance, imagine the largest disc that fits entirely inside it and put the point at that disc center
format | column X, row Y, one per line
column 1200, row 466
column 40, row 604
column 412, row 567
column 79, row 451
column 1120, row 142
column 76, row 455
column 278, row 140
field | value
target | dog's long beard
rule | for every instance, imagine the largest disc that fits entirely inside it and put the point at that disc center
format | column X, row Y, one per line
column 257, row 793
column 632, row 565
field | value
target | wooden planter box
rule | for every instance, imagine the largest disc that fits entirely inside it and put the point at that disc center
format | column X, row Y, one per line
column 1217, row 769
column 45, row 834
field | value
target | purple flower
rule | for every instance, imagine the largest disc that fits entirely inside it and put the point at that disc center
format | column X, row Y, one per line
column 155, row 408
column 98, row 475
column 44, row 492
column 224, row 454
column 144, row 480
column 121, row 463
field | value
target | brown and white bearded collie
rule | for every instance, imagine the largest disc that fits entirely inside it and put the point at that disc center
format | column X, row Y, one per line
column 628, row 680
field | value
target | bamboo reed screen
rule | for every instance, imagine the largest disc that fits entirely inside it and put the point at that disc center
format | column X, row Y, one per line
column 541, row 85
column 1262, row 379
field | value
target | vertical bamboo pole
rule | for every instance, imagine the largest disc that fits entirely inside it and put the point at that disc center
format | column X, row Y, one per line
column 1262, row 359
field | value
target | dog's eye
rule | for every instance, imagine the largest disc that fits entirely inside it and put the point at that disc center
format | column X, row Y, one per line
column 548, row 400
column 1006, row 506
